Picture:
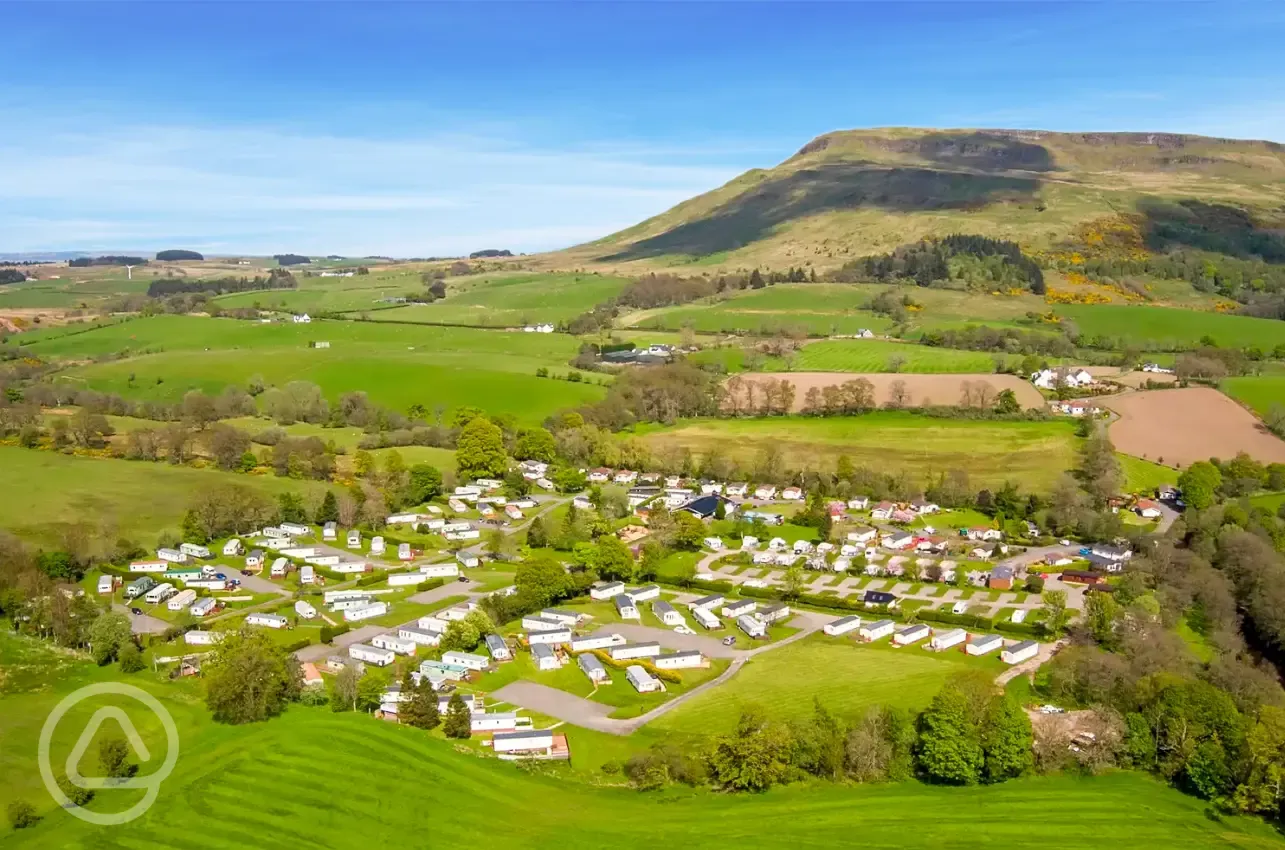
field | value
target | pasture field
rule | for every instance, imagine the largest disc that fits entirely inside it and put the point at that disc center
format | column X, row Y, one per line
column 1259, row 392
column 1143, row 475
column 132, row 499
column 870, row 355
column 923, row 390
column 396, row 365
column 1033, row 453
column 510, row 300
column 1212, row 426
column 1171, row 327
column 846, row 676
column 353, row 779
column 331, row 294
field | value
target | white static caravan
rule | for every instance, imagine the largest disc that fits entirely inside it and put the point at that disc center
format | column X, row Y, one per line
column 774, row 613
column 271, row 621
column 752, row 626
column 679, row 660
column 279, row 567
column 642, row 681
column 197, row 637
column 582, row 644
column 156, row 594
column 404, row 579
column 1019, row 652
column 173, row 556
column 203, row 606
column 911, row 634
column 192, row 550
column 181, row 600
column 842, row 626
column 322, row 560
column 330, row 531
column 1019, row 616
column 371, row 655
column 537, row 623
column 439, row 571
column 467, row 660
column 149, row 566
column 645, row 593
column 706, row 619
column 604, row 590
column 666, row 613
column 295, row 529
column 593, row 668
column 468, row 560
column 497, row 721
column 399, row 645
column 305, row 610
column 349, row 593
column 404, row 552
column 232, row 548
column 307, row 575
column 562, row 634
column 627, row 651
column 500, row 650
column 984, row 644
column 545, row 658
column 106, row 584
column 626, row 608
column 207, row 583
column 423, row 637
column 876, row 631
column 712, row 601
column 376, row 545
column 566, row 618
column 739, row 607
column 947, row 639
column 351, row 567
column 365, row 612
column 354, row 539
column 346, row 602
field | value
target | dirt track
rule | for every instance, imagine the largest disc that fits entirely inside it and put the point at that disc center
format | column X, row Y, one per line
column 1181, row 426
column 923, row 389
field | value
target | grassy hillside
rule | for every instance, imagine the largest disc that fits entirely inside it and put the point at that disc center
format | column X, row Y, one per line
column 318, row 779
column 855, row 192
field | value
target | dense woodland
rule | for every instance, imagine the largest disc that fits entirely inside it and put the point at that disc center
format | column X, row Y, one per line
column 276, row 279
column 11, row 276
column 291, row 259
column 968, row 258
column 176, row 254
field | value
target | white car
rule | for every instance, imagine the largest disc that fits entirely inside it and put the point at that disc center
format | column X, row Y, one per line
column 684, row 630
column 1064, row 542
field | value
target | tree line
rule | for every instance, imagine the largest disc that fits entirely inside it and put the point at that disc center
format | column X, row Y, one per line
column 276, row 279
column 106, row 260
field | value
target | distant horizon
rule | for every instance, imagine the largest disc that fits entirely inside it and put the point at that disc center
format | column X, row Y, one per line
column 371, row 129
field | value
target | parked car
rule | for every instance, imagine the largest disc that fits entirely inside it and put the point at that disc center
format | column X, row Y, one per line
column 246, row 573
column 220, row 576
column 462, row 579
column 137, row 612
column 729, row 641
column 1064, row 542
column 1086, row 551
column 684, row 630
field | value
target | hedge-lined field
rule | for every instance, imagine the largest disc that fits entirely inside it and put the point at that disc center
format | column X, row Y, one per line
column 1260, row 392
column 870, row 355
column 511, row 300
column 1171, row 326
column 348, row 780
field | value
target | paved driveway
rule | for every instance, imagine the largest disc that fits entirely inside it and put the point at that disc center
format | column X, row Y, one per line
column 321, row 650
column 709, row 647
column 142, row 624
column 573, row 709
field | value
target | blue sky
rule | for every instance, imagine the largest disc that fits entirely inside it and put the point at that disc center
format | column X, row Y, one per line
column 419, row 129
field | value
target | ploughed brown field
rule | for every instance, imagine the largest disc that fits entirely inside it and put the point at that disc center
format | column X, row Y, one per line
column 1181, row 426
column 923, row 390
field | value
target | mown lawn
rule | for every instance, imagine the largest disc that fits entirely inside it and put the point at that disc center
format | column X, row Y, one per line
column 1142, row 476
column 132, row 499
column 846, row 676
column 348, row 781
column 1032, row 453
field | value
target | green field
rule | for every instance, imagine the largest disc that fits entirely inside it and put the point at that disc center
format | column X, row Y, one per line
column 1031, row 453
column 869, row 355
column 1170, row 327
column 344, row 780
column 511, row 300
column 135, row 498
column 1259, row 392
column 818, row 309
column 848, row 678
column 1143, row 475
column 396, row 365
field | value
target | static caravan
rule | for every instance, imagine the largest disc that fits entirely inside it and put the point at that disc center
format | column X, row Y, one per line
column 499, row 649
column 404, row 552
column 627, row 651
column 711, row 601
column 644, row 594
column 876, row 631
column 305, row 610
column 842, row 626
column 399, row 645
column 208, row 583
column 458, row 612
column 947, row 639
column 232, row 548
column 593, row 668
column 562, row 634
column 752, row 626
column 401, row 519
column 376, row 545
column 192, row 550
column 173, row 556
column 567, row 618
column 149, row 566
column 1019, row 652
column 277, row 544
column 706, row 619
column 497, row 721
column 307, row 575
column 254, row 560
column 604, row 590
column 351, row 593
column 536, row 623
column 354, row 539
column 774, row 613
column 365, row 612
column 197, row 637
column 271, row 621
column 738, row 607
column 348, row 602
column 1019, row 616
column 351, row 567
column 322, row 560
column 181, row 600
column 423, row 637
column 679, row 660
column 203, row 606
column 626, row 608
column 582, row 644
column 984, row 644
column 545, row 658
column 642, row 681
column 371, row 655
column 910, row 634
column 666, row 613
column 467, row 560
column 404, row 579
column 467, row 660
column 138, row 587
column 106, row 584
column 330, row 531
column 156, row 594
column 295, row 529
column 279, row 567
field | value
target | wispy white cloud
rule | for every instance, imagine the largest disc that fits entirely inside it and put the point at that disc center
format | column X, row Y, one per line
column 266, row 190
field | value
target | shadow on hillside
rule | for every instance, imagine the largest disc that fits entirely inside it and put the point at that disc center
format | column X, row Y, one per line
column 985, row 152
column 1209, row 227
column 826, row 188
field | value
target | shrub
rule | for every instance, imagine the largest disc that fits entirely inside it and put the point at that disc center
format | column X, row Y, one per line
column 373, row 578
column 21, row 814
column 298, row 645
column 431, row 584
column 329, row 633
